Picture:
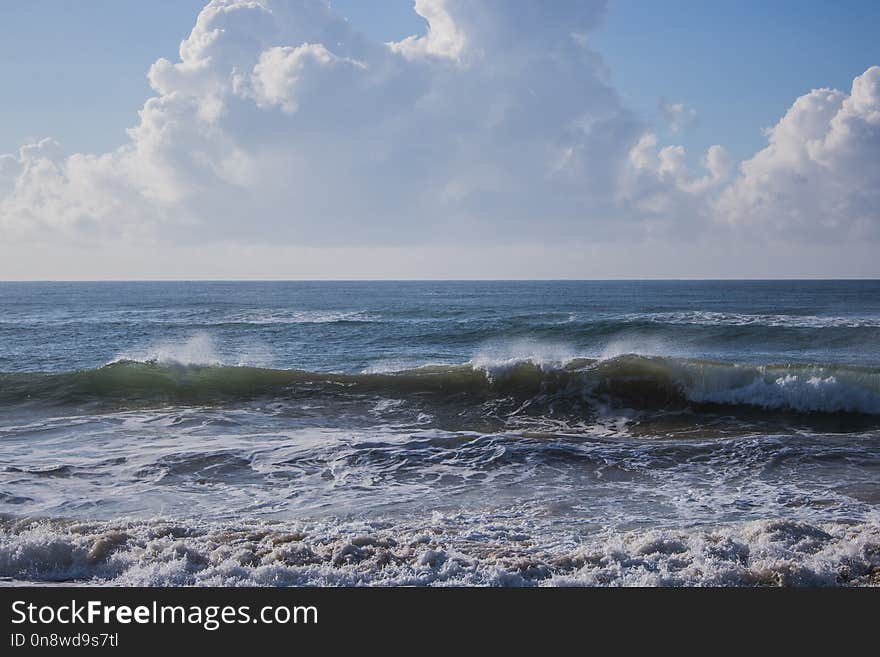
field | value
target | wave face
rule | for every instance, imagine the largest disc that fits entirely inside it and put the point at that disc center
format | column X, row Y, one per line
column 450, row 433
column 639, row 382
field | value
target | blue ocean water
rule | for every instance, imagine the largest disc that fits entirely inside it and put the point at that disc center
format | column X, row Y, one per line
column 348, row 327
column 594, row 432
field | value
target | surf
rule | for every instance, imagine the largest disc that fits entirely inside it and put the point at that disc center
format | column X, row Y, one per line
column 629, row 380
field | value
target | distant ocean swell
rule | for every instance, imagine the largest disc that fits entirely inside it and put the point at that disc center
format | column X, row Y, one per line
column 641, row 382
column 569, row 320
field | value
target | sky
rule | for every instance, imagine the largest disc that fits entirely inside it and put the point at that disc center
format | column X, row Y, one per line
column 439, row 139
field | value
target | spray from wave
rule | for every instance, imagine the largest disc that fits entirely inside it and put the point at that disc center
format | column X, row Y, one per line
column 498, row 359
column 199, row 350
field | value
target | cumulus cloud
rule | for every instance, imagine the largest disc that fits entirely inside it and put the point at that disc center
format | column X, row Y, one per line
column 279, row 74
column 819, row 175
column 278, row 123
column 281, row 122
column 658, row 182
column 817, row 180
column 443, row 39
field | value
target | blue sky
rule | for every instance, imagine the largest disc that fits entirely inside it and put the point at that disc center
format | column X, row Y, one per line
column 439, row 138
column 737, row 64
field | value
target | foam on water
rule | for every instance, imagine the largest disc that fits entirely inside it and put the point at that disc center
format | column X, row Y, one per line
column 448, row 433
column 293, row 317
column 799, row 392
column 711, row 318
column 484, row 550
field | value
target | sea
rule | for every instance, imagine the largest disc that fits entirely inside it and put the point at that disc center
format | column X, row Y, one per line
column 522, row 433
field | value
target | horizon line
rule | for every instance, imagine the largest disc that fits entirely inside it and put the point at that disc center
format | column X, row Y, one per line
column 437, row 280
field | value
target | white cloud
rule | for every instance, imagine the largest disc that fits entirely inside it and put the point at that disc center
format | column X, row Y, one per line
column 819, row 176
column 279, row 75
column 279, row 124
column 817, row 180
column 659, row 183
column 443, row 39
column 677, row 116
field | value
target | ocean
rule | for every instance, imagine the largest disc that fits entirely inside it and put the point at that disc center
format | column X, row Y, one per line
column 440, row 433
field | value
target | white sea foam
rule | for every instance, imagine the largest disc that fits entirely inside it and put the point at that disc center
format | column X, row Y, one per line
column 710, row 318
column 395, row 365
column 796, row 392
column 302, row 317
column 490, row 550
column 804, row 390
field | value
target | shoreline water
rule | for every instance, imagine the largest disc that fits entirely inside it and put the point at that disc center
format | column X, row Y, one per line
column 443, row 551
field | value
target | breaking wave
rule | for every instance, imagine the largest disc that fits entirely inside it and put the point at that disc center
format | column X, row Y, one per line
column 456, row 549
column 641, row 382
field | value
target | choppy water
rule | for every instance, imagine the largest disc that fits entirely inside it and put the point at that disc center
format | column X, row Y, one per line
column 457, row 433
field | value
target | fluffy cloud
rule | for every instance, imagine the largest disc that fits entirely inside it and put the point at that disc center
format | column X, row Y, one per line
column 279, row 75
column 818, row 179
column 658, row 183
column 280, row 124
column 443, row 39
column 819, row 176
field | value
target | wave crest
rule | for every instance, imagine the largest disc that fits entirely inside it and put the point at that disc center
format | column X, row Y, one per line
column 632, row 381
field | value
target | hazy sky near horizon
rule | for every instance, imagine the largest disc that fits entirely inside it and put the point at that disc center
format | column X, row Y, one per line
column 439, row 139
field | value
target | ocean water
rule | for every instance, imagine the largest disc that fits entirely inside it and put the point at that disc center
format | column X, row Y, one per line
column 447, row 433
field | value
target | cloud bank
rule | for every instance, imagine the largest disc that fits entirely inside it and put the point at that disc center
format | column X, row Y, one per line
column 280, row 124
